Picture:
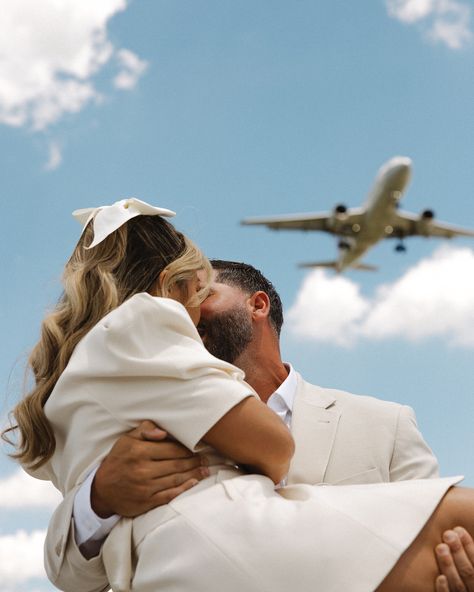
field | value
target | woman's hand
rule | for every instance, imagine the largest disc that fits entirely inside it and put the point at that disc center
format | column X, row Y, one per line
column 456, row 562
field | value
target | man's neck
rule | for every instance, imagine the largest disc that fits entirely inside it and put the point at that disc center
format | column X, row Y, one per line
column 264, row 370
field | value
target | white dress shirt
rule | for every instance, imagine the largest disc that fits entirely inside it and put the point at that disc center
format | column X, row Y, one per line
column 281, row 402
column 90, row 530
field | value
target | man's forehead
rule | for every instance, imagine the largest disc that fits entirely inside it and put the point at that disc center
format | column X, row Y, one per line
column 201, row 274
column 217, row 283
column 202, row 277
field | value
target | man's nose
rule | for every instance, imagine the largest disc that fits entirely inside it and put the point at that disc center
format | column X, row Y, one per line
column 204, row 310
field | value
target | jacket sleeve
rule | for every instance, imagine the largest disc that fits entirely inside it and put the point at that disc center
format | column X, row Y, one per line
column 412, row 458
column 65, row 566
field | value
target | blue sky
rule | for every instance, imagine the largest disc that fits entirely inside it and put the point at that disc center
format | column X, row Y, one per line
column 222, row 110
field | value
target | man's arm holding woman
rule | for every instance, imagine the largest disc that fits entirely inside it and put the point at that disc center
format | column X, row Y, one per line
column 139, row 475
column 145, row 470
column 136, row 476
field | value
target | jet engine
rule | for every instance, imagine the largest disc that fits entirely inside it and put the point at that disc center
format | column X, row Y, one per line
column 338, row 218
column 426, row 219
column 344, row 245
column 427, row 215
column 340, row 210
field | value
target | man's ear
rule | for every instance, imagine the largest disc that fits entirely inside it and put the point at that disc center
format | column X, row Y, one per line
column 260, row 305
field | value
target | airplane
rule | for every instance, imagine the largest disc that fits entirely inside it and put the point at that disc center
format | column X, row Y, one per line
column 359, row 229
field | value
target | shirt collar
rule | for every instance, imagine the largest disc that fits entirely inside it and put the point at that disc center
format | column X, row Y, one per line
column 285, row 393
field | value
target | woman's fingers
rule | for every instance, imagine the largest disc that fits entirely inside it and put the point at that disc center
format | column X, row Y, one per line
column 467, row 542
column 462, row 550
column 441, row 584
column 455, row 559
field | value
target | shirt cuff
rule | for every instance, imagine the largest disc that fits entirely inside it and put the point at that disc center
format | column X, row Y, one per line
column 88, row 526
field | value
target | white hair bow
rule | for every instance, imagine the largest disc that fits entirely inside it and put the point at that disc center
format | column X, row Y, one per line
column 108, row 218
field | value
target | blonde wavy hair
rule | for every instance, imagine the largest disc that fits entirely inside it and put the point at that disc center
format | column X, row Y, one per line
column 96, row 281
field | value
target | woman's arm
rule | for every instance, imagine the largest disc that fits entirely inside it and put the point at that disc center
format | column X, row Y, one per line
column 252, row 434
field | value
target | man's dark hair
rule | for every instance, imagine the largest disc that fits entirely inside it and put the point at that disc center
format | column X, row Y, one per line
column 250, row 280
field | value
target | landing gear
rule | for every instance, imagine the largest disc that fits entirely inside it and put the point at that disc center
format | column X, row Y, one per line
column 344, row 245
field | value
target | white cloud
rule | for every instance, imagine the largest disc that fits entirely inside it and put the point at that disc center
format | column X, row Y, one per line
column 21, row 557
column 327, row 309
column 21, row 553
column 409, row 11
column 453, row 25
column 55, row 157
column 19, row 490
column 132, row 68
column 50, row 52
column 446, row 21
column 434, row 299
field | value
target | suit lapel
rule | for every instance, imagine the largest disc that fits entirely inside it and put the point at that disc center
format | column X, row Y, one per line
column 313, row 425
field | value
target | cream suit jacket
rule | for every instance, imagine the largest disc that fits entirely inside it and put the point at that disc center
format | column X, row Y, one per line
column 340, row 438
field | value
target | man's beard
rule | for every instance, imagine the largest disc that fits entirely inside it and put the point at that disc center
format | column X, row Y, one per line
column 227, row 334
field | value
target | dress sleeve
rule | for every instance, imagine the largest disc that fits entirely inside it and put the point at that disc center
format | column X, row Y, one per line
column 147, row 361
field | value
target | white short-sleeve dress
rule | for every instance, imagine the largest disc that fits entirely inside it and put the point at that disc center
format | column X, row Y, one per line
column 232, row 532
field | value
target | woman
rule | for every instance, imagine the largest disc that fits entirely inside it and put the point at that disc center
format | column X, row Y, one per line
column 122, row 346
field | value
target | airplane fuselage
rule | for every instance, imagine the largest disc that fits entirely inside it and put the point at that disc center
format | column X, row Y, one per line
column 390, row 183
column 358, row 229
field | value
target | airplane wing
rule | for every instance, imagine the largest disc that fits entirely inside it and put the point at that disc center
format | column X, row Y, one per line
column 334, row 223
column 408, row 224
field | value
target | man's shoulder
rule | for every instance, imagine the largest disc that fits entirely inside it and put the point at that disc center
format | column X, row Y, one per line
column 347, row 399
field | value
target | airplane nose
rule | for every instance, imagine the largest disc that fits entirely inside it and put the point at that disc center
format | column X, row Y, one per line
column 398, row 171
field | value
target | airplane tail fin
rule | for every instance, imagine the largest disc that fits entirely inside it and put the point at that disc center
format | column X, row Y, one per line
column 330, row 264
column 336, row 266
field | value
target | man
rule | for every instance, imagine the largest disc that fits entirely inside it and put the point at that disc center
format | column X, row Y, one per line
column 340, row 439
